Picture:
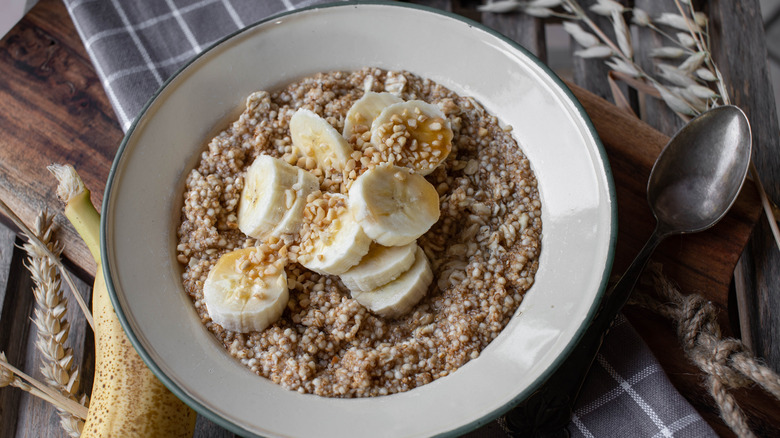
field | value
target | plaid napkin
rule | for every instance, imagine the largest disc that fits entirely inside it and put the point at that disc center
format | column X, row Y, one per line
column 136, row 45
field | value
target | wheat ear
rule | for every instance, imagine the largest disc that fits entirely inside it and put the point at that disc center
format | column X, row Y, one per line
column 5, row 209
column 57, row 366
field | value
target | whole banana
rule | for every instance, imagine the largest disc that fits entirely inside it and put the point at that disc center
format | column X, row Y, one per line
column 127, row 399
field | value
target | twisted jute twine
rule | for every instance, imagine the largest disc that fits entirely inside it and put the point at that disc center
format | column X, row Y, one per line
column 726, row 362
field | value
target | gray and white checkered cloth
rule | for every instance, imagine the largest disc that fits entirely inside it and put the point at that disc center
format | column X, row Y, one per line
column 136, row 45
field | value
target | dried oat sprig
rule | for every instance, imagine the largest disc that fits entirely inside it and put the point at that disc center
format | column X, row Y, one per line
column 11, row 376
column 57, row 366
column 31, row 237
column 696, row 23
column 684, row 87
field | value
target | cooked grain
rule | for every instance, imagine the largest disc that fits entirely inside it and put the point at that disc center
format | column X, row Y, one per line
column 483, row 250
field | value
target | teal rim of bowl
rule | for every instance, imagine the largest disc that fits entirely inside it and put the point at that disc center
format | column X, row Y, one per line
column 216, row 418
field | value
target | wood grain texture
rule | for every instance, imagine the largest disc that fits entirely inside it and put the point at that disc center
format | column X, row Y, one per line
column 7, row 239
column 9, row 398
column 523, row 29
column 739, row 41
column 14, row 331
column 591, row 73
column 52, row 109
column 32, row 410
column 654, row 111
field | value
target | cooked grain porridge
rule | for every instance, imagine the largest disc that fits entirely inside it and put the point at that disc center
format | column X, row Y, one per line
column 483, row 250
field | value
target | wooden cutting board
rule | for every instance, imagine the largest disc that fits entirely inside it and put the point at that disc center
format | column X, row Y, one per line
column 53, row 109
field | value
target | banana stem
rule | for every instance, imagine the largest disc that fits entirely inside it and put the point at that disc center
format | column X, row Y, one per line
column 55, row 259
column 78, row 206
column 86, row 220
column 49, row 394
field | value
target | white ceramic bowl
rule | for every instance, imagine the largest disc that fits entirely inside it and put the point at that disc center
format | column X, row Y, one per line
column 143, row 199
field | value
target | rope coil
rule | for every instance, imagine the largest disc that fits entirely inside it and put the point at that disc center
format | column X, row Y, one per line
column 726, row 362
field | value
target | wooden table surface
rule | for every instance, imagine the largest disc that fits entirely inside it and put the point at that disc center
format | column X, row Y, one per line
column 53, row 109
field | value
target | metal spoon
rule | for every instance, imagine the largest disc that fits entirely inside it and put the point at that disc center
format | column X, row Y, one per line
column 693, row 184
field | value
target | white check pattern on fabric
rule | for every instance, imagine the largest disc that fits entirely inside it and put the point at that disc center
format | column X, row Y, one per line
column 125, row 22
column 136, row 45
column 627, row 394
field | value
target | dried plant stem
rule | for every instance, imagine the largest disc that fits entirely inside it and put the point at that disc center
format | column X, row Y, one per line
column 617, row 94
column 38, row 389
column 693, row 30
column 704, row 47
column 642, row 86
column 671, row 39
column 65, row 274
column 581, row 15
column 57, row 365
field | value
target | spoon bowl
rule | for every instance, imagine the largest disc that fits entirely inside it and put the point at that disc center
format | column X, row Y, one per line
column 698, row 175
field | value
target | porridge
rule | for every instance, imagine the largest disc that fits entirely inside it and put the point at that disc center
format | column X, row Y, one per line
column 462, row 238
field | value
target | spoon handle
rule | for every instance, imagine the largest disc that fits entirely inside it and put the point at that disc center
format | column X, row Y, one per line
column 548, row 411
column 618, row 296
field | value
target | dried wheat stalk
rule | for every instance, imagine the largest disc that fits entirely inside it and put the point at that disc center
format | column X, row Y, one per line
column 32, row 238
column 11, row 376
column 58, row 368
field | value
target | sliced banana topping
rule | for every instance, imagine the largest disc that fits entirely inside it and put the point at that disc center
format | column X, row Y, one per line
column 295, row 201
column 380, row 266
column 357, row 124
column 273, row 197
column 400, row 295
column 412, row 134
column 314, row 137
column 332, row 241
column 244, row 294
column 393, row 205
column 367, row 238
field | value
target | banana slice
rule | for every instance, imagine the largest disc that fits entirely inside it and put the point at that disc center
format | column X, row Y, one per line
column 273, row 197
column 363, row 112
column 335, row 241
column 400, row 295
column 295, row 201
column 413, row 134
column 314, row 137
column 243, row 295
column 380, row 266
column 393, row 205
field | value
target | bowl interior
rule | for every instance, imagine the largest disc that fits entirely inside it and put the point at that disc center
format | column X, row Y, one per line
column 143, row 199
